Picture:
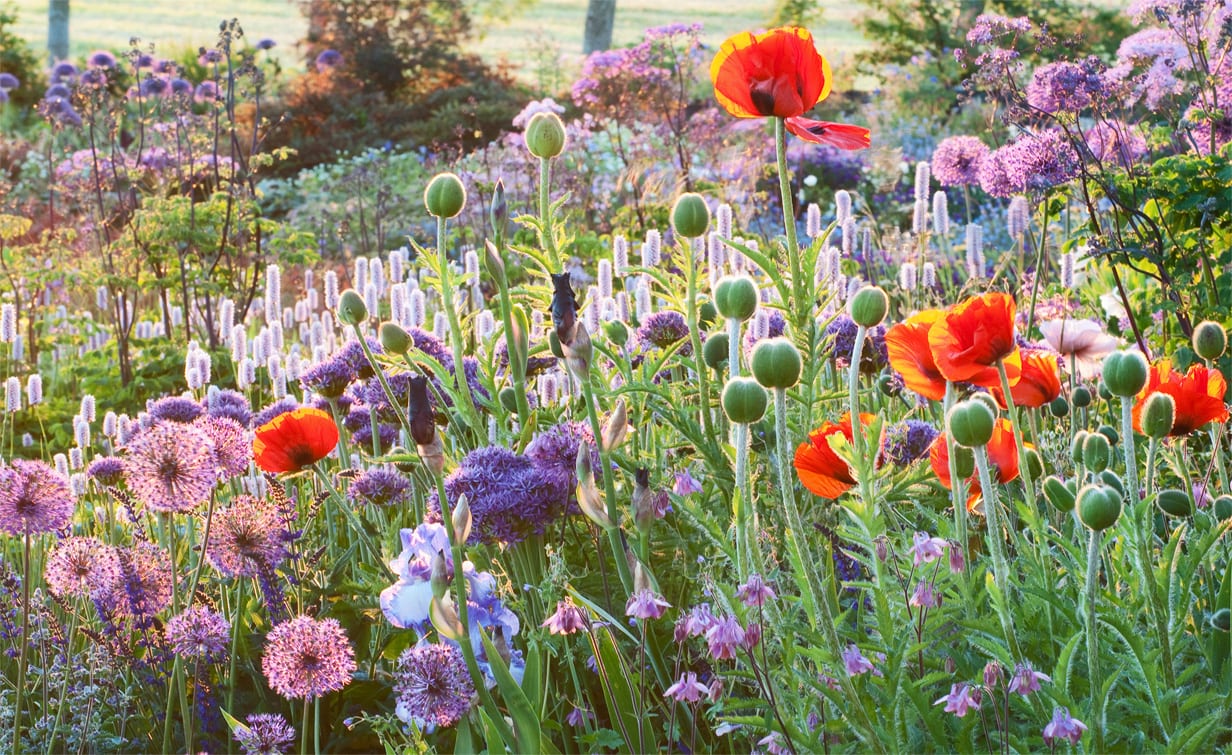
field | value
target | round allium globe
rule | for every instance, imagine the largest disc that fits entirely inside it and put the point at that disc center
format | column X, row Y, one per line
column 175, row 409
column 307, row 657
column 555, row 452
column 80, row 567
column 956, row 161
column 663, row 330
column 231, row 404
column 34, row 498
column 170, row 467
column 265, row 734
column 199, row 634
column 247, row 539
column 232, row 445
column 380, row 486
column 510, row 497
column 432, row 686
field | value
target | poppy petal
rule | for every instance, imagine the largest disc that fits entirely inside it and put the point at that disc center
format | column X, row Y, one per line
column 840, row 135
column 778, row 73
column 909, row 355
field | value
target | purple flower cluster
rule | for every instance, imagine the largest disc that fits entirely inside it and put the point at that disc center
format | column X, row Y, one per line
column 432, row 686
column 1115, row 142
column 82, row 566
column 307, row 658
column 199, row 634
column 230, row 404
column 34, row 498
column 170, row 466
column 247, row 539
column 1032, row 163
column 1065, row 87
column 174, row 409
column 555, row 451
column 956, row 161
column 265, row 734
column 144, row 587
column 510, row 496
column 840, row 335
column 380, row 486
column 908, row 441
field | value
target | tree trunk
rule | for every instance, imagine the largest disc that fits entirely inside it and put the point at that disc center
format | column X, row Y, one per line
column 57, row 29
column 600, row 18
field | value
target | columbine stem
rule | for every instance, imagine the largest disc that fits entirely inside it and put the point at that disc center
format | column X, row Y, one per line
column 996, row 545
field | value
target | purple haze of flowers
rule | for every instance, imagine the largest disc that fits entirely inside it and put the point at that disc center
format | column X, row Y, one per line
column 1115, row 142
column 555, row 452
column 510, row 497
column 1210, row 129
column 9, row 81
column 990, row 27
column 1066, row 87
column 1033, row 163
column 1063, row 726
column 908, row 441
column 662, row 330
column 307, row 658
column 994, row 179
column 230, row 404
column 266, row 44
column 962, row 698
column 841, row 334
column 265, row 734
column 432, row 686
column 34, row 498
column 956, row 161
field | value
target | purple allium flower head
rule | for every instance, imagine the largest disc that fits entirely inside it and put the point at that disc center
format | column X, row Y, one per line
column 1063, row 726
column 34, row 498
column 686, row 484
column 509, row 495
column 180, row 86
column 1066, row 87
column 330, row 378
column 265, row 734
column 247, row 538
column 153, row 86
column 353, row 354
column 956, row 161
column 555, row 452
column 994, row 179
column 170, row 467
column 101, row 59
column 199, row 634
column 841, row 335
column 1027, row 680
column 206, row 91
column 908, row 441
column 1033, row 162
column 855, row 662
column 231, row 404
column 725, row 638
column 328, row 60
column 567, row 619
column 432, row 686
column 232, row 445
column 81, row 566
column 57, row 92
column 144, row 587
column 991, row 27
column 307, row 658
column 60, row 112
column 926, row 549
column 755, row 592
column 663, row 330
column 266, row 43
column 210, row 56
column 63, row 71
column 9, row 81
column 962, row 698
column 175, row 409
column 276, row 409
column 774, row 326
column 645, row 604
column 380, row 486
column 687, row 689
column 144, row 60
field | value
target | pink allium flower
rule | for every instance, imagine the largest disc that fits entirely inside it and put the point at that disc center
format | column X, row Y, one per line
column 199, row 634
column 1027, row 680
column 567, row 619
column 34, row 498
column 687, row 689
column 644, row 604
column 1063, row 726
column 307, row 657
column 927, row 549
column 81, row 566
column 961, row 699
column 432, row 685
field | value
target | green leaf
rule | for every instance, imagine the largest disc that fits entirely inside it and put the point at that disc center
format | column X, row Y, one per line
column 525, row 722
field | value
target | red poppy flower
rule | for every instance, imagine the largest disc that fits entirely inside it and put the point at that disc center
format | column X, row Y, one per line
column 1039, row 383
column 1198, row 394
column 907, row 346
column 294, row 440
column 821, row 469
column 970, row 338
column 1002, row 458
column 780, row 74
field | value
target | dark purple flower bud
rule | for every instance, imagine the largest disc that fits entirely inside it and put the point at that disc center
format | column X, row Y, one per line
column 420, row 414
column 266, row 44
column 564, row 309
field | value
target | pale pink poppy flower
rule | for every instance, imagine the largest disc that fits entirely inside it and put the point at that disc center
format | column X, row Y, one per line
column 1085, row 340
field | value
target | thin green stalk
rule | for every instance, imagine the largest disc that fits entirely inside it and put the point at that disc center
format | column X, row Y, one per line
column 380, row 374
column 609, row 489
column 177, row 668
column 811, row 586
column 374, row 552
column 237, row 621
column 996, row 546
column 316, row 724
column 455, row 330
column 1024, row 469
column 1152, row 450
column 741, row 505
column 1127, row 440
column 72, row 633
column 303, row 729
column 800, row 309
column 703, row 378
column 853, row 395
column 516, row 367
column 547, row 236
column 733, row 347
column 18, row 702
column 1093, row 558
column 205, row 541
column 957, row 486
column 1039, row 263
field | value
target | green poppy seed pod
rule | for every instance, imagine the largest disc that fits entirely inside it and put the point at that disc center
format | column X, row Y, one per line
column 1103, row 392
column 461, row 520
column 690, row 216
column 617, row 332
column 736, row 297
column 1096, row 452
column 1080, row 397
column 1099, row 507
column 971, row 423
column 987, row 400
column 445, row 196
column 1125, row 373
column 1174, row 503
column 1035, row 463
column 545, row 135
column 964, row 462
column 744, row 400
column 776, row 363
column 1221, row 620
column 1061, row 497
column 1223, row 508
column 715, row 351
column 889, row 385
column 1075, row 446
column 1059, row 407
column 869, row 306
column 394, row 339
column 1109, row 432
column 707, row 313
column 1110, row 478
column 351, row 308
column 1210, row 340
column 1158, row 415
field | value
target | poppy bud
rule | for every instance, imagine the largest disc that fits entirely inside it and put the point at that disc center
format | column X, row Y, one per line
column 987, row 400
column 1099, row 507
column 964, row 462
column 461, row 520
column 617, row 332
column 1221, row 620
column 445, row 196
column 736, row 297
column 889, row 385
column 1174, row 502
column 1223, row 508
column 1109, row 432
column 1035, row 463
column 554, row 345
column 498, row 214
column 1210, row 340
column 1158, row 415
column 1103, row 391
column 351, row 308
column 1110, row 478
column 1075, row 446
column 518, row 342
column 1125, row 373
column 564, row 309
column 869, row 306
column 1059, row 407
column 744, row 401
column 690, row 216
column 1096, row 452
column 1060, row 496
column 706, row 313
column 776, row 363
column 545, row 135
column 971, row 423
column 715, row 351
column 508, row 398
column 395, row 340
column 1080, row 397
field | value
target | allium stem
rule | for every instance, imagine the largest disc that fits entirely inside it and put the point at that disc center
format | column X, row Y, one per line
column 516, row 367
column 1093, row 558
column 303, row 729
column 996, row 545
column 703, row 379
column 18, row 702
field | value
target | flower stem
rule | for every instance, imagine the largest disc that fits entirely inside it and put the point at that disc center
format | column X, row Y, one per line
column 733, row 347
column 1127, row 438
column 996, row 545
column 455, row 332
column 1024, row 469
column 800, row 311
column 957, row 491
column 1093, row 557
column 18, row 707
column 547, row 235
column 811, row 586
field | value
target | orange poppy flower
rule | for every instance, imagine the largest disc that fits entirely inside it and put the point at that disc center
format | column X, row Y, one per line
column 294, row 440
column 907, row 346
column 819, row 468
column 1039, row 383
column 1002, row 457
column 1198, row 394
column 970, row 338
column 780, row 74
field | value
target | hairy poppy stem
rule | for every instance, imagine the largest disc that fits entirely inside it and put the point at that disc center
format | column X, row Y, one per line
column 1093, row 558
column 996, row 545
column 800, row 306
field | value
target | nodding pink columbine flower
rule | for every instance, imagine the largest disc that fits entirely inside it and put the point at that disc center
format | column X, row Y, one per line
column 752, row 636
column 686, row 484
column 961, row 699
column 957, row 563
column 992, row 674
column 579, row 716
column 755, row 592
column 567, row 619
column 644, row 604
column 695, row 623
column 926, row 548
column 725, row 638
column 1027, row 680
column 924, row 596
column 687, row 689
column 855, row 661
column 1063, row 726
column 773, row 742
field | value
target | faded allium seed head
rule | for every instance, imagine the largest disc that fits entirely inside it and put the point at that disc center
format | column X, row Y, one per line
column 941, row 213
column 813, row 224
column 723, row 221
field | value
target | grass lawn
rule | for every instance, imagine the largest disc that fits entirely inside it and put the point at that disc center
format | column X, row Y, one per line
column 541, row 32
